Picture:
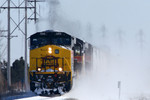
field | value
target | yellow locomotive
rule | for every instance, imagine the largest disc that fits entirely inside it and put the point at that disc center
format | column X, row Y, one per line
column 54, row 57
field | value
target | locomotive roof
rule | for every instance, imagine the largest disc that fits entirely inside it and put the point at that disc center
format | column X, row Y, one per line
column 50, row 33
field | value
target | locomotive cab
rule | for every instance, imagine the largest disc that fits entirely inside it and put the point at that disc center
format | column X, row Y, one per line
column 50, row 62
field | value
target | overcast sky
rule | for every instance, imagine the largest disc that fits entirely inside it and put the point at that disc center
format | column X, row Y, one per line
column 127, row 15
column 119, row 13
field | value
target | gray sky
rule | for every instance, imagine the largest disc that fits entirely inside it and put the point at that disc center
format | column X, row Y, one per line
column 127, row 15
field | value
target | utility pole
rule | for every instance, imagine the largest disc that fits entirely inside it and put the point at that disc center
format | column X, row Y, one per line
column 8, row 49
column 12, row 5
column 26, row 66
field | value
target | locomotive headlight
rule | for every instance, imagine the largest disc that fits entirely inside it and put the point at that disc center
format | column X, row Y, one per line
column 50, row 50
column 60, row 69
column 39, row 69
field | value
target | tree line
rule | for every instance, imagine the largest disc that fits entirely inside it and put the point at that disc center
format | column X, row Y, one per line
column 17, row 73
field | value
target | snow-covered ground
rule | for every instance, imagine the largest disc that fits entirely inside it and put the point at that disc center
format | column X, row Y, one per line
column 46, row 98
column 32, row 96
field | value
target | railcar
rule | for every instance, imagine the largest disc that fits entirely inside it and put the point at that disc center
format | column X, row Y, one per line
column 55, row 57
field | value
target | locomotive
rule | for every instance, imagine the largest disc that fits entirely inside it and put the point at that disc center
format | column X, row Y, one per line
column 55, row 58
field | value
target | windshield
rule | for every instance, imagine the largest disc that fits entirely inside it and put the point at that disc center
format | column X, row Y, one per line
column 61, row 41
column 39, row 40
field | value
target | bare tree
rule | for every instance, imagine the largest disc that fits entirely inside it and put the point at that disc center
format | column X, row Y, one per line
column 2, row 45
column 1, row 80
column 0, row 61
column 2, row 50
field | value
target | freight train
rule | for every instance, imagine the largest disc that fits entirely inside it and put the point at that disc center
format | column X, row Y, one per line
column 55, row 58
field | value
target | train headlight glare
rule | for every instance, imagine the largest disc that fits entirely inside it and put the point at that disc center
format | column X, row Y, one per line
column 60, row 69
column 39, row 69
column 50, row 50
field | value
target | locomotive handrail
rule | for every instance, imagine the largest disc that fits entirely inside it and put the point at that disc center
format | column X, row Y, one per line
column 49, row 58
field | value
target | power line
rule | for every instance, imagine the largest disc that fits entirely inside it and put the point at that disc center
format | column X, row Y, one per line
column 24, row 6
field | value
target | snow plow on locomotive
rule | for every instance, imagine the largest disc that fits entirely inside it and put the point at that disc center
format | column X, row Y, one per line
column 55, row 57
